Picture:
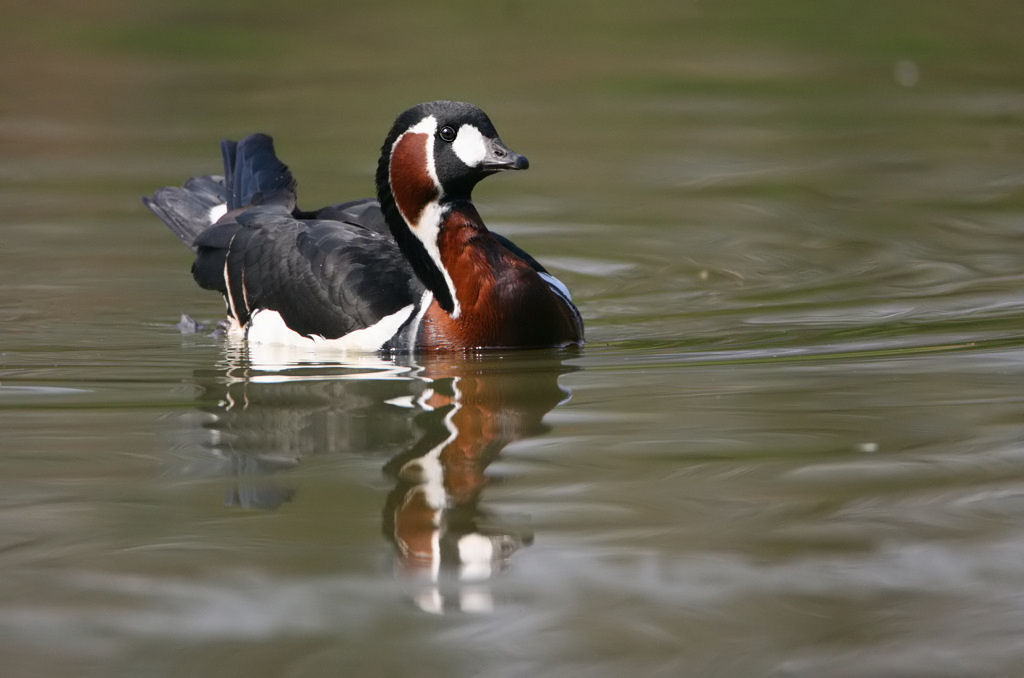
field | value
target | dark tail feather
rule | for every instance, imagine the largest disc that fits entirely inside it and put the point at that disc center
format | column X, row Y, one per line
column 252, row 176
column 187, row 210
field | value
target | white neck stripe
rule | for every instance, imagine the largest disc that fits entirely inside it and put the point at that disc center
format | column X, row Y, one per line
column 427, row 227
column 428, row 230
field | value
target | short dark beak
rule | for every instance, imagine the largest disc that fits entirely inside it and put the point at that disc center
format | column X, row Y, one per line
column 501, row 157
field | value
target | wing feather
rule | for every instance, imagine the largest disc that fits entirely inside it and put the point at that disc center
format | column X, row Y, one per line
column 324, row 277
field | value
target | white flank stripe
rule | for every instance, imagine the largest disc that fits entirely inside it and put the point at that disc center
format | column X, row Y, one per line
column 268, row 327
column 227, row 281
column 216, row 212
column 557, row 286
column 245, row 295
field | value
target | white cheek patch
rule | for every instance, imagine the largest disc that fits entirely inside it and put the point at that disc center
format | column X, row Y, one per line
column 470, row 145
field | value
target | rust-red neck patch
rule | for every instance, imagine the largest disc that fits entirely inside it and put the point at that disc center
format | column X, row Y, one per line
column 409, row 173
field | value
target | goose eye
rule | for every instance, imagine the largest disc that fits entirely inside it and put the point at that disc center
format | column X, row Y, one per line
column 447, row 133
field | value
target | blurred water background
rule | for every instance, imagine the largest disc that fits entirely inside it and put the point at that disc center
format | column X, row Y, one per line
column 793, row 446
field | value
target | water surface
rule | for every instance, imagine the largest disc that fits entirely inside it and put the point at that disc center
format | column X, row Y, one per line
column 792, row 445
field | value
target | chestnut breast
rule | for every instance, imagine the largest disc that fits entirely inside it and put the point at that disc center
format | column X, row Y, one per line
column 504, row 301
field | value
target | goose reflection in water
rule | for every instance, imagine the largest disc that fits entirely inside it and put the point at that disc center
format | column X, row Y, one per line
column 440, row 422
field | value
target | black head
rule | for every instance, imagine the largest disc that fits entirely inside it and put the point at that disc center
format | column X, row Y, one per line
column 434, row 155
column 460, row 141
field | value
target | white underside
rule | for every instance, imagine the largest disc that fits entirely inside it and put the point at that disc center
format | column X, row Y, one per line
column 268, row 327
column 216, row 212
